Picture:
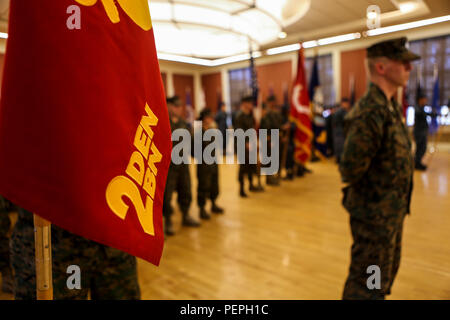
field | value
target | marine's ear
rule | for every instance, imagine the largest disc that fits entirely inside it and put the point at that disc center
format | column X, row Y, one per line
column 380, row 66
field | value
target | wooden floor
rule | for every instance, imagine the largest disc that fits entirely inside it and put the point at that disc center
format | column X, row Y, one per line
column 293, row 241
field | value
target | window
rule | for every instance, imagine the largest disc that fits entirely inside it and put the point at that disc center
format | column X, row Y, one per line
column 434, row 52
column 240, row 85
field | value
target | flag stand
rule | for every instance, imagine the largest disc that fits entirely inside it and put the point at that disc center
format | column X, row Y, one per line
column 43, row 254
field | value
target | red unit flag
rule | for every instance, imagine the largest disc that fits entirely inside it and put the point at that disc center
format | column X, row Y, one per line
column 84, row 128
column 301, row 113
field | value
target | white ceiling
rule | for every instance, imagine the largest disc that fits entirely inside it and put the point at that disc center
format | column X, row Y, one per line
column 222, row 28
column 328, row 18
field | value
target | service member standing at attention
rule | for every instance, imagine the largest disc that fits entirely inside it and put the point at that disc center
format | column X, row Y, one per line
column 337, row 124
column 377, row 165
column 245, row 121
column 272, row 120
column 178, row 177
column 221, row 121
column 207, row 174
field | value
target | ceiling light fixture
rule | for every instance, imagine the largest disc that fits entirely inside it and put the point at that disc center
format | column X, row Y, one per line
column 310, row 44
column 314, row 43
column 407, row 7
column 282, row 35
column 206, row 62
column 283, row 49
column 406, row 26
column 337, row 39
column 371, row 15
column 184, row 59
column 238, row 58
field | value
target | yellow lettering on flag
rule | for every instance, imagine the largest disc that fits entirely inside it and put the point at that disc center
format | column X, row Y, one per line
column 143, row 176
column 137, row 10
column 123, row 187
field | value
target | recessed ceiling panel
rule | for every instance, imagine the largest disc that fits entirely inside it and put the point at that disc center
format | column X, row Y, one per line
column 219, row 28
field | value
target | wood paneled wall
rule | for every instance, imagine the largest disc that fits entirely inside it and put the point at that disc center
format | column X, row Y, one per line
column 353, row 64
column 164, row 80
column 181, row 84
column 212, row 87
column 275, row 78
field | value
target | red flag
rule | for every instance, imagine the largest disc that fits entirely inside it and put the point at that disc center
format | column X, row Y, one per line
column 84, row 128
column 301, row 113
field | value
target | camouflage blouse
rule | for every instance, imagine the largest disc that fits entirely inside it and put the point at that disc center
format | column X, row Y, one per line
column 377, row 162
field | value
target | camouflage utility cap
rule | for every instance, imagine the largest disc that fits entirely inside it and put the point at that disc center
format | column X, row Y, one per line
column 394, row 49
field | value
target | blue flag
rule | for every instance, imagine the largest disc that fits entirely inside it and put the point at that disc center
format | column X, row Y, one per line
column 316, row 96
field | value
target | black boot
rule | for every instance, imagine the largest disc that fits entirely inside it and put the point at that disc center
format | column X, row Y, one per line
column 242, row 193
column 216, row 209
column 300, row 171
column 188, row 221
column 168, row 228
column 272, row 181
column 259, row 188
column 203, row 214
column 289, row 175
column 314, row 158
column 420, row 167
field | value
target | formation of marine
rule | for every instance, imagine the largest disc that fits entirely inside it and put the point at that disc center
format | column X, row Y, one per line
column 371, row 144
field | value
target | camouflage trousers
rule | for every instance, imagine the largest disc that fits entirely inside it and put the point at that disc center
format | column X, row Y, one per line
column 5, row 224
column 208, row 183
column 106, row 273
column 178, row 180
column 374, row 244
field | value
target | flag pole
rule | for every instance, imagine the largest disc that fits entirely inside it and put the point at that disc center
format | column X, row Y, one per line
column 43, row 258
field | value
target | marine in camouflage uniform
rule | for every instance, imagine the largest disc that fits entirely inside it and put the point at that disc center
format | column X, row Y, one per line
column 244, row 120
column 207, row 174
column 337, row 123
column 290, row 159
column 178, row 177
column 5, row 225
column 272, row 120
column 106, row 273
column 377, row 165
